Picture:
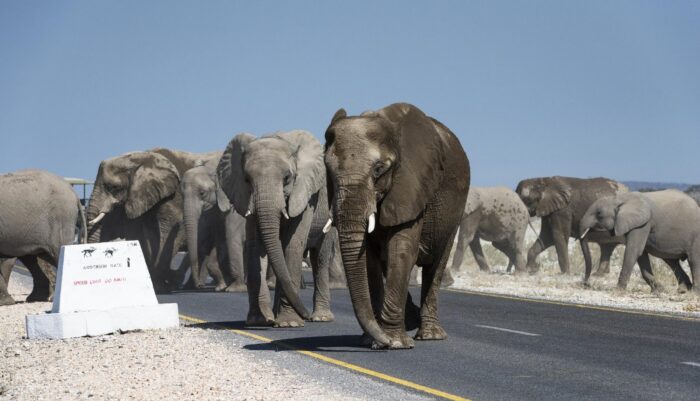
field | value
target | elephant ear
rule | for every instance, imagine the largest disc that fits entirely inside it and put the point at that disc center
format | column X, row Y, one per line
column 473, row 201
column 231, row 176
column 154, row 179
column 311, row 170
column 555, row 196
column 417, row 175
column 222, row 201
column 632, row 213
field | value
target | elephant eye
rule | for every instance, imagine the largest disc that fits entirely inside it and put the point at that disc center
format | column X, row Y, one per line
column 288, row 178
column 378, row 169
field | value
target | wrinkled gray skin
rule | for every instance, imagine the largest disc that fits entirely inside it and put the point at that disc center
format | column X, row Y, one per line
column 400, row 181
column 38, row 214
column 215, row 234
column 278, row 181
column 561, row 203
column 665, row 224
column 496, row 215
column 138, row 193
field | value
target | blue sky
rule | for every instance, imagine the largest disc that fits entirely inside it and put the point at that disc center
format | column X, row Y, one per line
column 580, row 88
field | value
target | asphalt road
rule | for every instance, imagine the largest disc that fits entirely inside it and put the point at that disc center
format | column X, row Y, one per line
column 500, row 348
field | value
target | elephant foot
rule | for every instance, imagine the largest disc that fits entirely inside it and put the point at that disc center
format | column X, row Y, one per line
column 601, row 273
column 259, row 319
column 35, row 297
column 447, row 279
column 366, row 340
column 271, row 284
column 682, row 288
column 288, row 318
column 399, row 340
column 657, row 289
column 236, row 287
column 6, row 300
column 586, row 284
column 322, row 315
column 220, row 287
column 431, row 331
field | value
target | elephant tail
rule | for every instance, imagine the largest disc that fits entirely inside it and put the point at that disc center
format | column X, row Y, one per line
column 83, row 224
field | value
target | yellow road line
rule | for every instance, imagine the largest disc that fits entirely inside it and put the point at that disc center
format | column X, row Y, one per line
column 333, row 361
column 582, row 306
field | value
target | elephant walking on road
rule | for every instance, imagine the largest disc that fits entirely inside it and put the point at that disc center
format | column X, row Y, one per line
column 665, row 224
column 38, row 215
column 215, row 233
column 137, row 196
column 496, row 215
column 400, row 181
column 561, row 203
column 279, row 182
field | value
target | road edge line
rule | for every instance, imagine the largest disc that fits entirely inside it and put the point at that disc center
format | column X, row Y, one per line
column 336, row 362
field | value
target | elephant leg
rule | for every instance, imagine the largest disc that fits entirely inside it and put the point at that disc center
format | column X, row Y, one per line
column 43, row 276
column 561, row 228
column 475, row 246
column 235, row 244
column 586, row 250
column 330, row 249
column 648, row 273
column 544, row 241
column 214, row 270
column 322, row 295
column 259, row 303
column 402, row 253
column 634, row 247
column 684, row 284
column 517, row 244
column 606, row 251
column 294, row 237
column 5, row 271
column 694, row 262
column 430, row 328
column 464, row 238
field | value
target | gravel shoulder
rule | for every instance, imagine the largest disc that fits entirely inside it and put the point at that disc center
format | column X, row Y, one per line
column 549, row 284
column 188, row 363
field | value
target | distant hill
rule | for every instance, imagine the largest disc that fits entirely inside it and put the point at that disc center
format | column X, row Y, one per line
column 655, row 186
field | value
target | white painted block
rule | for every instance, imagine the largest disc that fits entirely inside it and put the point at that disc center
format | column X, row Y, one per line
column 95, row 323
column 102, row 288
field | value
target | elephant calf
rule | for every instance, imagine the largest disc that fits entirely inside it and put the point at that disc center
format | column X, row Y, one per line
column 496, row 215
column 665, row 224
column 38, row 215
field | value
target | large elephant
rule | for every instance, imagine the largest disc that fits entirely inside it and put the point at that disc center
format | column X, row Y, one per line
column 400, row 180
column 215, row 234
column 38, row 215
column 137, row 197
column 278, row 182
column 561, row 203
column 496, row 215
column 665, row 224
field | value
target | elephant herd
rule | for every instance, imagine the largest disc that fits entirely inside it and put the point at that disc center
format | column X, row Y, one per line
column 388, row 191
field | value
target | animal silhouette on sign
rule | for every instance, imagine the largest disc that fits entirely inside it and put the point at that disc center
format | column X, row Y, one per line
column 88, row 252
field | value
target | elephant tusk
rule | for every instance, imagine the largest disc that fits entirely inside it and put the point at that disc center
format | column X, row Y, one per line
column 97, row 219
column 584, row 233
column 328, row 225
column 370, row 224
column 248, row 213
column 285, row 214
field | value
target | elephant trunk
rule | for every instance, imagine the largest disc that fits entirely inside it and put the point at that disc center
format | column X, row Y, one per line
column 587, row 222
column 351, row 222
column 269, row 211
column 191, row 222
column 91, row 214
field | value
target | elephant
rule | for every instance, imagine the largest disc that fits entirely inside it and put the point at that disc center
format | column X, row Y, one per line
column 399, row 181
column 278, row 183
column 38, row 215
column 561, row 203
column 137, row 196
column 497, row 215
column 215, row 235
column 665, row 224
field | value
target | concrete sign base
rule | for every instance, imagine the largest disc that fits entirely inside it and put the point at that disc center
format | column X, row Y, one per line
column 100, row 289
column 95, row 323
